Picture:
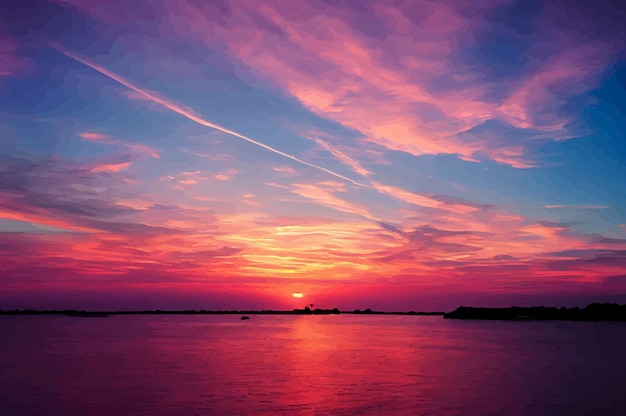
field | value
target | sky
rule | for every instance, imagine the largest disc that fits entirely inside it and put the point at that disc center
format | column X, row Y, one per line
column 393, row 155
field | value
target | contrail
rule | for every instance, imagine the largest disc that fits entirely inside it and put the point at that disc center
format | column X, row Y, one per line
column 191, row 116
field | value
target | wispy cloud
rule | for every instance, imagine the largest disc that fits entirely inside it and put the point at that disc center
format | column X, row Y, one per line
column 342, row 157
column 11, row 64
column 325, row 195
column 284, row 169
column 416, row 105
column 134, row 148
column 191, row 115
column 576, row 206
column 226, row 175
column 110, row 167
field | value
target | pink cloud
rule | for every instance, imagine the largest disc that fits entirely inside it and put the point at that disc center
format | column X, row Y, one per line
column 410, row 197
column 360, row 81
column 41, row 218
column 342, row 157
column 11, row 64
column 284, row 169
column 318, row 53
column 134, row 148
column 457, row 243
column 576, row 206
column 226, row 175
column 183, row 180
column 359, row 66
column 324, row 194
column 110, row 167
column 535, row 103
column 93, row 137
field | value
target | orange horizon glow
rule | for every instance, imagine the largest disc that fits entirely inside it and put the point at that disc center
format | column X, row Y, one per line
column 338, row 152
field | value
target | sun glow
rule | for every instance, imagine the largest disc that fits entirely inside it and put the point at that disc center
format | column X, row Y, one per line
column 297, row 295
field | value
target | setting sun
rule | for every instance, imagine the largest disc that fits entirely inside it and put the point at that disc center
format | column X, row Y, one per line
column 297, row 295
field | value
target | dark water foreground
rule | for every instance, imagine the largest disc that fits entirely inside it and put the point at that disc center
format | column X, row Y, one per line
column 309, row 365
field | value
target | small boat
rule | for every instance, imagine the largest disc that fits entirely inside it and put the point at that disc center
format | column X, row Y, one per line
column 243, row 318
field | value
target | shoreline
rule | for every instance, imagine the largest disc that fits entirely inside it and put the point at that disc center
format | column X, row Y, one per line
column 592, row 312
column 72, row 312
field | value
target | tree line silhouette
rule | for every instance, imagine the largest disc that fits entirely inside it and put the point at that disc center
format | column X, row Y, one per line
column 593, row 312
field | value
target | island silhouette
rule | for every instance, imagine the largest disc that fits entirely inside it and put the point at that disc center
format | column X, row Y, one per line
column 592, row 312
column 304, row 311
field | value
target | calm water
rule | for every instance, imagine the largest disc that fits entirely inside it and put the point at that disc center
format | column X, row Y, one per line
column 309, row 365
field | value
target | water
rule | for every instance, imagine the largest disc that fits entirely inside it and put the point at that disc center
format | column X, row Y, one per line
column 309, row 365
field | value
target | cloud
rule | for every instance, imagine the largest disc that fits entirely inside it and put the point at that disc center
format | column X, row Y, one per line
column 11, row 64
column 391, row 77
column 110, row 167
column 406, row 196
column 191, row 115
column 226, row 175
column 609, row 241
column 576, row 206
column 504, row 257
column 438, row 202
column 587, row 262
column 284, row 169
column 342, row 157
column 418, row 101
column 186, row 179
column 535, row 103
column 138, row 149
column 424, row 242
column 93, row 137
column 324, row 195
column 63, row 194
column 616, row 281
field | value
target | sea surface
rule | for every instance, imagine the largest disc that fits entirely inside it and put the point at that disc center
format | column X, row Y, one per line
column 309, row 365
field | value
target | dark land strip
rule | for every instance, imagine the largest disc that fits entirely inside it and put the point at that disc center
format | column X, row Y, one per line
column 305, row 311
column 593, row 312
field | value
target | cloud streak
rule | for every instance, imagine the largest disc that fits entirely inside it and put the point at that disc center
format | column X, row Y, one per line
column 576, row 206
column 189, row 114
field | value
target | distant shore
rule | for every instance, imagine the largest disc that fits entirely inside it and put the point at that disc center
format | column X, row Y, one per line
column 306, row 311
column 593, row 312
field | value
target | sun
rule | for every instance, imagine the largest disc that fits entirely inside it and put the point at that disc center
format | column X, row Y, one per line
column 297, row 295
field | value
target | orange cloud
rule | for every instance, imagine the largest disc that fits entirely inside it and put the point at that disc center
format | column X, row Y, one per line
column 410, row 197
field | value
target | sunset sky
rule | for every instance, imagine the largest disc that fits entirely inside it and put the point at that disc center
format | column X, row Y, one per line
column 396, row 155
